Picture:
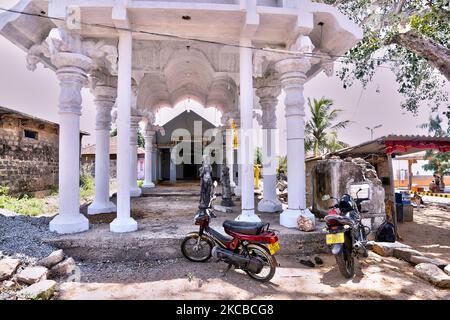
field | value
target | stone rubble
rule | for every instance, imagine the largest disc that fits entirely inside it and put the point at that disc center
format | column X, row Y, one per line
column 31, row 275
column 26, row 277
column 433, row 274
column 422, row 259
column 7, row 267
column 42, row 290
column 447, row 269
column 63, row 268
column 405, row 254
column 386, row 249
column 51, row 260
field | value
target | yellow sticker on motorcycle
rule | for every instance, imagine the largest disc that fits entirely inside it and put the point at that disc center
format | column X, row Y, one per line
column 334, row 238
column 274, row 247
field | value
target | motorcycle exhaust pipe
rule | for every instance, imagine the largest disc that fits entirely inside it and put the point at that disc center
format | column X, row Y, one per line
column 360, row 248
column 251, row 264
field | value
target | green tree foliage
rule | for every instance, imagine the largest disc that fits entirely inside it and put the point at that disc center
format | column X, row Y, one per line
column 437, row 161
column 258, row 156
column 410, row 37
column 140, row 137
column 321, row 130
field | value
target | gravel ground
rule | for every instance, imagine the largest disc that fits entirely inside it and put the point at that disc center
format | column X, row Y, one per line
column 22, row 235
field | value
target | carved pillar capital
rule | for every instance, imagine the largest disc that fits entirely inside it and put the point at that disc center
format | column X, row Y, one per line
column 71, row 71
column 268, row 90
column 104, row 88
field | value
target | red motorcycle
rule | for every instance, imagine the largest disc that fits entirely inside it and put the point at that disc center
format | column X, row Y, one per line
column 242, row 247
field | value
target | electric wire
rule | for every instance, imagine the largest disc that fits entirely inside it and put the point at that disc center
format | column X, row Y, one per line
column 330, row 57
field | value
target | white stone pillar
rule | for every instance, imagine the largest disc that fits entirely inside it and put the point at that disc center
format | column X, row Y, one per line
column 148, row 181
column 124, row 222
column 246, row 142
column 229, row 152
column 135, row 191
column 238, row 188
column 72, row 75
column 267, row 93
column 105, row 96
column 293, row 76
column 173, row 168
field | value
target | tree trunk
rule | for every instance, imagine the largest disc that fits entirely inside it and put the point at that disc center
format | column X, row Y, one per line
column 437, row 55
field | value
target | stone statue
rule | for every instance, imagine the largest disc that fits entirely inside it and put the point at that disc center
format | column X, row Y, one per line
column 226, row 188
column 206, row 186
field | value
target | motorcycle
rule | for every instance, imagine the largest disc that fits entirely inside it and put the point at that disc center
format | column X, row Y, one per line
column 242, row 247
column 347, row 236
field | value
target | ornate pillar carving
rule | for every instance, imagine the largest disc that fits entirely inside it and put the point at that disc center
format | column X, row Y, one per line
column 268, row 89
column 104, row 88
column 293, row 76
column 148, row 136
column 64, row 51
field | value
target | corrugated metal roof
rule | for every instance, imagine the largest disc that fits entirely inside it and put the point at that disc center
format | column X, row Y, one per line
column 378, row 146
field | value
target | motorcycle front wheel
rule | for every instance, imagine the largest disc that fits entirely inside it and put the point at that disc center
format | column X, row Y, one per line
column 345, row 260
column 194, row 250
column 269, row 263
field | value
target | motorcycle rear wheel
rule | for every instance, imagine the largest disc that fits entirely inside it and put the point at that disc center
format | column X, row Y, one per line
column 270, row 263
column 345, row 260
column 191, row 251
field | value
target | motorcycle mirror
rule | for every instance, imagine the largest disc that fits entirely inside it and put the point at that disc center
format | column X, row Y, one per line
column 326, row 197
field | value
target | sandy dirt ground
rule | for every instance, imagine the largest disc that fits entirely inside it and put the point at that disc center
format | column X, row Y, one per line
column 429, row 232
column 377, row 278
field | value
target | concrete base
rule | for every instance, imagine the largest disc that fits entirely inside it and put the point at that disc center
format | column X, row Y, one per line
column 148, row 185
column 267, row 205
column 69, row 224
column 289, row 217
column 135, row 192
column 120, row 225
column 154, row 241
column 97, row 208
column 249, row 216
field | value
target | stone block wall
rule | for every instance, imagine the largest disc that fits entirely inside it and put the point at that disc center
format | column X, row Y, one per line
column 88, row 166
column 28, row 165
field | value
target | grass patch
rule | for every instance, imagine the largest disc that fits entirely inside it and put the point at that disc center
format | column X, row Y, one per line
column 87, row 187
column 24, row 205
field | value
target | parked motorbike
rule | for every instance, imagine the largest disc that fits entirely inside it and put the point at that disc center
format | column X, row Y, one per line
column 243, row 246
column 347, row 236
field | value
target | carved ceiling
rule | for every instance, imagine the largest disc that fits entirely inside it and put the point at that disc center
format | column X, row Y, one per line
column 171, row 71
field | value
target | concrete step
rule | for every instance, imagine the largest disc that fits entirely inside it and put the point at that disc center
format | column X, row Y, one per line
column 162, row 239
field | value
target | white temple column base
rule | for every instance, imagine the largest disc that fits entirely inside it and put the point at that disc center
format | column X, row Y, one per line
column 289, row 217
column 120, row 225
column 69, row 224
column 148, row 185
column 96, row 208
column 135, row 192
column 270, row 205
column 249, row 216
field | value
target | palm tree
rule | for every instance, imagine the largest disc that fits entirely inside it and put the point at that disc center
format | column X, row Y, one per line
column 321, row 130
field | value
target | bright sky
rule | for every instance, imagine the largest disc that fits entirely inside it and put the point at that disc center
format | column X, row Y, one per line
column 36, row 93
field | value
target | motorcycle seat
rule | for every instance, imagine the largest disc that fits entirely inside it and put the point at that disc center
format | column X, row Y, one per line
column 334, row 218
column 250, row 228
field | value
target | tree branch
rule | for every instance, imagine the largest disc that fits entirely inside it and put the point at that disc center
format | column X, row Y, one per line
column 437, row 55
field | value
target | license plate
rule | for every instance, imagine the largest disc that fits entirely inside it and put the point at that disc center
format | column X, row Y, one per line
column 334, row 238
column 274, row 247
